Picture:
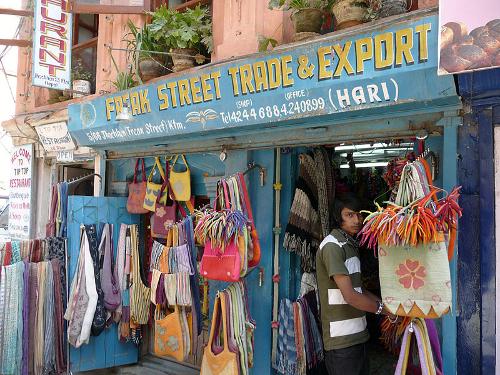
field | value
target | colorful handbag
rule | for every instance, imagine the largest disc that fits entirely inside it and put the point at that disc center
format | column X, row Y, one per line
column 153, row 188
column 169, row 340
column 137, row 191
column 424, row 349
column 221, row 258
column 109, row 278
column 164, row 215
column 216, row 361
column 415, row 280
column 180, row 182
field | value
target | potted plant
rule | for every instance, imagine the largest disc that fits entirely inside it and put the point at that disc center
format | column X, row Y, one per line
column 145, row 52
column 187, row 34
column 307, row 15
column 385, row 8
column 81, row 78
column 349, row 13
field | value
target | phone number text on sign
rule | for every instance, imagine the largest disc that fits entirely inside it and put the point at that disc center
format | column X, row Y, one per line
column 275, row 111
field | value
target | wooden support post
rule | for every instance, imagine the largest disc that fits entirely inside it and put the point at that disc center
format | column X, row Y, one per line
column 15, row 42
column 17, row 12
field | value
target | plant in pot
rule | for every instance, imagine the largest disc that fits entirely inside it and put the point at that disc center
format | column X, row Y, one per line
column 385, row 8
column 146, row 53
column 348, row 13
column 188, row 34
column 81, row 78
column 307, row 15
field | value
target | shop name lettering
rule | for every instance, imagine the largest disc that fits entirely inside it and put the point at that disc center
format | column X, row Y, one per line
column 392, row 49
column 20, row 163
column 53, row 40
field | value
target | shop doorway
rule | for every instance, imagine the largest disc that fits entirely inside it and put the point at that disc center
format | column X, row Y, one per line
column 370, row 171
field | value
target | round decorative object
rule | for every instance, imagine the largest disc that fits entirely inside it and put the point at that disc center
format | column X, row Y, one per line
column 183, row 58
column 348, row 13
column 307, row 20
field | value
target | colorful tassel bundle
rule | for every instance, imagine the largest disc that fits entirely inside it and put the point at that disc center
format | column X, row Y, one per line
column 421, row 222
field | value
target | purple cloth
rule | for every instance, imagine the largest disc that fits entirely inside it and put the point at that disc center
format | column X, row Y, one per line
column 435, row 345
column 161, row 298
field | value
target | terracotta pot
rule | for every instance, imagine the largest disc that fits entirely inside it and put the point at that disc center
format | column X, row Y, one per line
column 82, row 86
column 183, row 58
column 307, row 20
column 348, row 14
column 427, row 3
column 150, row 68
column 393, row 7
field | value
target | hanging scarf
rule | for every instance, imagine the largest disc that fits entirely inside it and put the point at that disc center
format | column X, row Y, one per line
column 60, row 342
column 49, row 321
column 286, row 355
column 303, row 231
column 63, row 209
column 322, row 165
column 139, row 293
column 16, row 252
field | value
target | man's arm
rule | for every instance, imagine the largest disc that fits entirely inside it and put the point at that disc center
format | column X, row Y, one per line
column 362, row 301
column 370, row 295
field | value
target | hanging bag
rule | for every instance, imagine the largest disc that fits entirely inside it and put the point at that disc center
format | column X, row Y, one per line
column 153, row 189
column 221, row 257
column 168, row 335
column 109, row 279
column 164, row 215
column 425, row 356
column 137, row 191
column 180, row 182
column 247, row 210
column 216, row 361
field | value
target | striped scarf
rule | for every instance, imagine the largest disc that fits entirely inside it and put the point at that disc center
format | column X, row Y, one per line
column 286, row 355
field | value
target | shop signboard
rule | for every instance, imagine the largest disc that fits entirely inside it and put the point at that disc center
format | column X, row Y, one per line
column 470, row 35
column 53, row 24
column 55, row 137
column 381, row 67
column 20, row 192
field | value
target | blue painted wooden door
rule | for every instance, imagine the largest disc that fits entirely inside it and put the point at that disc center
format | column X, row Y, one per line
column 104, row 350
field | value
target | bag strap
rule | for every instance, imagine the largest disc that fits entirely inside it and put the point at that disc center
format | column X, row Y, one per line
column 246, row 199
column 143, row 170
column 157, row 164
column 175, row 161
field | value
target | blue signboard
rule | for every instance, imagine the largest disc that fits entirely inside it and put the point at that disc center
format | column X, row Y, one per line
column 333, row 75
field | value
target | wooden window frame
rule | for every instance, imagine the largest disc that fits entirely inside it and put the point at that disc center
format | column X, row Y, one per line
column 109, row 9
column 192, row 4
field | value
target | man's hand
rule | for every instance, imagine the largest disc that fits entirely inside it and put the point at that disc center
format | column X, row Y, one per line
column 354, row 298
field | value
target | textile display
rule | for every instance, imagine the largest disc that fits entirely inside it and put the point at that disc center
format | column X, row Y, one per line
column 230, row 318
column 310, row 219
column 31, row 310
column 299, row 346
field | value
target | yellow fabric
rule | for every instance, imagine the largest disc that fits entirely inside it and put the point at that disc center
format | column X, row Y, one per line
column 224, row 363
column 153, row 189
column 180, row 182
column 169, row 340
column 139, row 293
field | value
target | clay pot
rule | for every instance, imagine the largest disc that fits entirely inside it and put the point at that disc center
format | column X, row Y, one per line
column 149, row 68
column 392, row 7
column 348, row 14
column 82, row 86
column 183, row 58
column 307, row 20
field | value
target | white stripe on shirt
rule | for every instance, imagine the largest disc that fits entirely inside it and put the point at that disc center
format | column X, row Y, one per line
column 335, row 296
column 353, row 265
column 347, row 327
column 331, row 239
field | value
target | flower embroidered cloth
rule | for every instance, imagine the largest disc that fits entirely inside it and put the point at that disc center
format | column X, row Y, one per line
column 415, row 277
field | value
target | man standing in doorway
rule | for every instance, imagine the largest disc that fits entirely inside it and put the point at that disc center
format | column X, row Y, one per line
column 343, row 300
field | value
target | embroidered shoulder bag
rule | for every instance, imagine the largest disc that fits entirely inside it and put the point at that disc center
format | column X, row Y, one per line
column 180, row 181
column 164, row 215
column 109, row 279
column 169, row 339
column 153, row 188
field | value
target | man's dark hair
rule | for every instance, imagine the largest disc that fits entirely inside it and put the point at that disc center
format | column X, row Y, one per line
column 347, row 200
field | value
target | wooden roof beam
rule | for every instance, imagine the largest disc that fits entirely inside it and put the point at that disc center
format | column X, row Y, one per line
column 15, row 42
column 16, row 12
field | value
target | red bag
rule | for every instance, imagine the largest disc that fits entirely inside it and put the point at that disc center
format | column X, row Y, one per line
column 222, row 263
column 137, row 192
column 164, row 215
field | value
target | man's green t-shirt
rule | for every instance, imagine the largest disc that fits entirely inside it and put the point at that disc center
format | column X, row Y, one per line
column 343, row 325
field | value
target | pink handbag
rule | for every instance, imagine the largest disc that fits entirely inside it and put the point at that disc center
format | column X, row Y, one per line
column 164, row 215
column 222, row 262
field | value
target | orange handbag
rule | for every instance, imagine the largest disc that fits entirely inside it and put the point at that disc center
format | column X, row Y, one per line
column 137, row 191
column 169, row 340
column 226, row 362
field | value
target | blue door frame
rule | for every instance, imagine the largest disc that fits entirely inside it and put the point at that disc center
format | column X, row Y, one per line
column 476, row 323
